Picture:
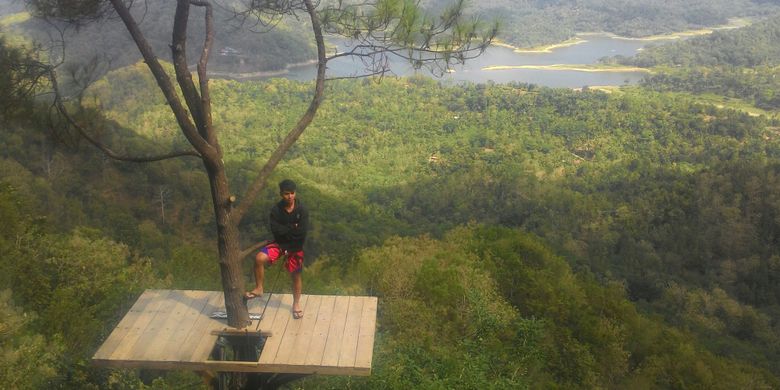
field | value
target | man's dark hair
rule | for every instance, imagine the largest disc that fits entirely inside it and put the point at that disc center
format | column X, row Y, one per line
column 286, row 185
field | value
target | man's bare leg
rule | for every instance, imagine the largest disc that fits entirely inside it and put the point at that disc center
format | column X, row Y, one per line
column 260, row 260
column 297, row 286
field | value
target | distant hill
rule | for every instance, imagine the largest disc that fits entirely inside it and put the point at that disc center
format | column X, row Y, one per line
column 524, row 23
column 237, row 48
column 8, row 7
column 741, row 63
column 751, row 46
column 537, row 22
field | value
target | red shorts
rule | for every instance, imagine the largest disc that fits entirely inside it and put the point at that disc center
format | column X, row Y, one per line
column 294, row 260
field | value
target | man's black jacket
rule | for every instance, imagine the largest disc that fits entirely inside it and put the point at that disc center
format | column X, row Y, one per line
column 289, row 229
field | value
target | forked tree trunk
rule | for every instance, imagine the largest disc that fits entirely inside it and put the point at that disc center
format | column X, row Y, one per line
column 193, row 116
column 228, row 244
column 194, row 120
column 195, row 123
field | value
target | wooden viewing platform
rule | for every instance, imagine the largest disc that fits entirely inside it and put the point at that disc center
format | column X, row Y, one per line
column 172, row 329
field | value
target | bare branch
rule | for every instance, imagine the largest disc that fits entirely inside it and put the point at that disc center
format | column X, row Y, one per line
column 73, row 12
column 27, row 73
column 203, row 78
column 262, row 178
column 182, row 118
column 402, row 30
column 267, row 13
column 183, row 76
column 247, row 251
column 380, row 73
column 59, row 104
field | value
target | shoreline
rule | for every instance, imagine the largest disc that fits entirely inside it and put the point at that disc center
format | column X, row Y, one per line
column 14, row 18
column 578, row 37
column 540, row 49
column 571, row 67
column 732, row 24
column 260, row 74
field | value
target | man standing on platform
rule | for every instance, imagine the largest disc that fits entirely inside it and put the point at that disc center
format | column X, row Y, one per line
column 289, row 222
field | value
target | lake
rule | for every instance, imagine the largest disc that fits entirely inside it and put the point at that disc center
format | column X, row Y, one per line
column 589, row 52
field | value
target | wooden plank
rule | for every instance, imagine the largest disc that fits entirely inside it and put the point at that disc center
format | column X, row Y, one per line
column 166, row 326
column 213, row 365
column 177, row 326
column 320, row 333
column 271, row 347
column 270, row 311
column 188, row 321
column 228, row 331
column 122, row 352
column 206, row 344
column 158, row 318
column 300, row 349
column 201, row 329
column 234, row 366
column 257, row 306
column 124, row 326
column 336, row 332
column 295, row 369
column 172, row 330
column 349, row 342
column 291, row 334
column 365, row 347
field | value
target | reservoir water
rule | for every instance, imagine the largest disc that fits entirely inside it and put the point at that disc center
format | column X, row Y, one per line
column 588, row 52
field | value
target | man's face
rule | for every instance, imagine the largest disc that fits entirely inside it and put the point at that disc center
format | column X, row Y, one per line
column 288, row 196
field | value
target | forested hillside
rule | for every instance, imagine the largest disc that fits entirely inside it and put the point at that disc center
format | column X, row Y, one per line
column 241, row 44
column 538, row 22
column 524, row 24
column 749, row 47
column 516, row 236
column 741, row 64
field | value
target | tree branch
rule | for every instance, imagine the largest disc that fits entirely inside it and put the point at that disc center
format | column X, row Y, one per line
column 203, row 78
column 182, row 118
column 262, row 178
column 59, row 104
column 381, row 73
column 27, row 73
column 183, row 76
column 247, row 251
column 403, row 31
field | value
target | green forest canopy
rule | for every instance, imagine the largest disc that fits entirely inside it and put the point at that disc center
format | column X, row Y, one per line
column 579, row 239
column 735, row 64
column 615, row 183
column 542, row 22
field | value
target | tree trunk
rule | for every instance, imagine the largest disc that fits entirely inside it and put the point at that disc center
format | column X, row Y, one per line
column 228, row 244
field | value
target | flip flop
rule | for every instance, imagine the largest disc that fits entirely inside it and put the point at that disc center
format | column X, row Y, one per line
column 297, row 314
column 250, row 295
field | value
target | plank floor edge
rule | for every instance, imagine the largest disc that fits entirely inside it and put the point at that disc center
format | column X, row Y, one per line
column 135, row 356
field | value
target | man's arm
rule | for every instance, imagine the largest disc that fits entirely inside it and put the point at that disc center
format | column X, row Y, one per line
column 299, row 231
column 278, row 229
